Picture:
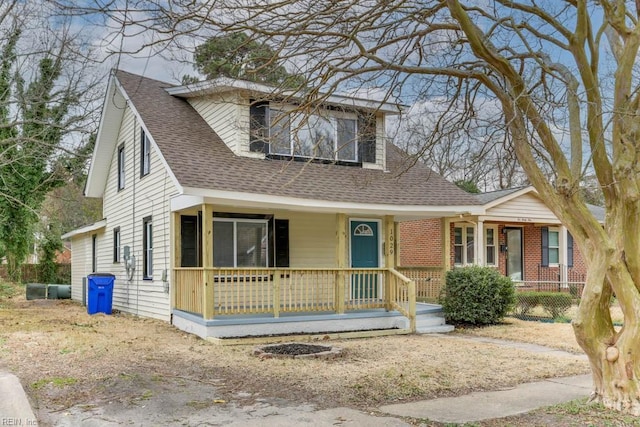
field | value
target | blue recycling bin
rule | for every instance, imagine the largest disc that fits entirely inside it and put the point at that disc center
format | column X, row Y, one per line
column 100, row 296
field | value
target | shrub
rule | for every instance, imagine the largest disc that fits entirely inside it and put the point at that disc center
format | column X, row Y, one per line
column 477, row 295
column 555, row 304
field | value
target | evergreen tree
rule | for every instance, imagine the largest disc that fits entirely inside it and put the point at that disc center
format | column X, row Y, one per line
column 235, row 55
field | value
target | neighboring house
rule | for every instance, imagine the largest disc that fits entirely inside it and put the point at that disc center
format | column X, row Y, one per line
column 63, row 256
column 226, row 212
column 516, row 233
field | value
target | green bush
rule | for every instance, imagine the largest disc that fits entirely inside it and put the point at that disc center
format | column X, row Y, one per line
column 555, row 304
column 477, row 295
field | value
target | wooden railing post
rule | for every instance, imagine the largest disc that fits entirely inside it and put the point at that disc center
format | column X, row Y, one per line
column 412, row 306
column 339, row 291
column 276, row 293
column 389, row 284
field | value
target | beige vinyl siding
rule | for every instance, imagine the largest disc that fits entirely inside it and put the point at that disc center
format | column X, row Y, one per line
column 223, row 114
column 140, row 198
column 381, row 142
column 312, row 237
column 526, row 208
column 312, row 240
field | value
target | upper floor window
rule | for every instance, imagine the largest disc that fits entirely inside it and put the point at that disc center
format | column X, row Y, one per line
column 121, row 168
column 145, row 154
column 338, row 136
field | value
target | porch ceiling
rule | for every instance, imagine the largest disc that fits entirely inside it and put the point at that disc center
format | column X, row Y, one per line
column 262, row 201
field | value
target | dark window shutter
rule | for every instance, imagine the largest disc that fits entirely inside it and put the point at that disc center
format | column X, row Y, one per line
column 367, row 138
column 569, row 250
column 189, row 241
column 545, row 246
column 258, row 127
column 281, row 240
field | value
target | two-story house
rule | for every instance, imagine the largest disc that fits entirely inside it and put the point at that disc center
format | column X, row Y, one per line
column 232, row 209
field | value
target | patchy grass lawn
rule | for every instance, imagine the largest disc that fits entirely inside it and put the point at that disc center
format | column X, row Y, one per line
column 555, row 335
column 66, row 357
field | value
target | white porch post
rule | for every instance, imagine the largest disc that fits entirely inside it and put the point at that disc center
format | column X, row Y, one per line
column 479, row 249
column 564, row 257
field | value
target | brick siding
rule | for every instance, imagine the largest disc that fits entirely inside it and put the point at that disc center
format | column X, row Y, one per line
column 421, row 246
column 421, row 243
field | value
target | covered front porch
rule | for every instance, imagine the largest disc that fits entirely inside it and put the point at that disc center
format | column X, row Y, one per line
column 283, row 272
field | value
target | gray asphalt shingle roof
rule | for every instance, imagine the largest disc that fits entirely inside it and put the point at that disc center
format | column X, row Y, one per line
column 490, row 196
column 200, row 159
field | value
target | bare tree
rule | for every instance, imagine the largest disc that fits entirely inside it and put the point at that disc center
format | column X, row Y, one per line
column 47, row 102
column 564, row 73
column 479, row 152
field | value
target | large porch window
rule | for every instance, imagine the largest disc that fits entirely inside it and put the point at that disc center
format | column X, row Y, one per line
column 240, row 242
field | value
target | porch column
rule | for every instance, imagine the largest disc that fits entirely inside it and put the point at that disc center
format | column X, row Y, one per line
column 564, row 256
column 175, row 256
column 479, row 243
column 341, row 262
column 389, row 257
column 207, row 261
column 446, row 243
column 389, row 242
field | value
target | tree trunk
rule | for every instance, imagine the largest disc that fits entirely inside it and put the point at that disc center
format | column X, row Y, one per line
column 614, row 356
column 14, row 270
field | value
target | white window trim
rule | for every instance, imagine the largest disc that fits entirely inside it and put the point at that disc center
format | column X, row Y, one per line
column 235, row 238
column 330, row 116
column 495, row 245
column 554, row 230
column 121, row 154
column 148, row 249
column 464, row 226
column 145, row 153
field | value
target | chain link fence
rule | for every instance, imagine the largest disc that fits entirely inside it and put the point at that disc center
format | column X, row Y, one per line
column 547, row 300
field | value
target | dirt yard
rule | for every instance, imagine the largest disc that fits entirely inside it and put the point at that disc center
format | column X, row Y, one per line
column 68, row 359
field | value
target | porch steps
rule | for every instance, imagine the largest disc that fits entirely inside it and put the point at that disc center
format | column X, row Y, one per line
column 431, row 321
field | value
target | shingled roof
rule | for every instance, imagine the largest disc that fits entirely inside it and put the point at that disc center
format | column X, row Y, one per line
column 200, row 159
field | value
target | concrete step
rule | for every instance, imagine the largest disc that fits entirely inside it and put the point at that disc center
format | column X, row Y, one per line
column 440, row 329
column 430, row 321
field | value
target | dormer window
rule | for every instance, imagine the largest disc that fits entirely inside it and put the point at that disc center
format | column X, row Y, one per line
column 336, row 136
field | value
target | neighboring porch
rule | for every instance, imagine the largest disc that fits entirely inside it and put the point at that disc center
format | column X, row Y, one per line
column 536, row 254
column 287, row 273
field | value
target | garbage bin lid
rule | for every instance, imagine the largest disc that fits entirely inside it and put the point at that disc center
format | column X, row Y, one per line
column 101, row 275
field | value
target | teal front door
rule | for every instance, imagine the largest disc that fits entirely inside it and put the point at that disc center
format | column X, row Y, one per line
column 365, row 253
